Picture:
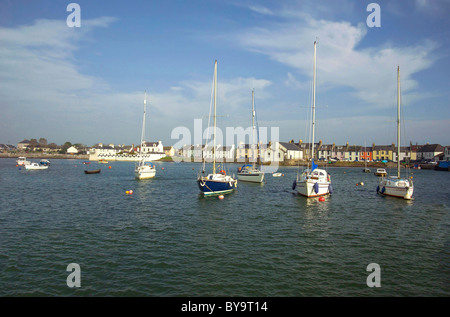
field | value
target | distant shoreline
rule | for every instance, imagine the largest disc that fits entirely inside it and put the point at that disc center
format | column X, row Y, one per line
column 45, row 156
column 169, row 159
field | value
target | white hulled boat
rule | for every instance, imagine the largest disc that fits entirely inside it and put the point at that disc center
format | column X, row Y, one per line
column 313, row 181
column 215, row 183
column 22, row 161
column 144, row 169
column 35, row 166
column 395, row 185
column 248, row 172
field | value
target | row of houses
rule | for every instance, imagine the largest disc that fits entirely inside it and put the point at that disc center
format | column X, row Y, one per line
column 271, row 152
column 150, row 150
column 284, row 151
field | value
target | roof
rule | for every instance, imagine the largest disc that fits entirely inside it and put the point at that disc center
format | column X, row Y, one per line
column 431, row 148
column 290, row 146
column 151, row 143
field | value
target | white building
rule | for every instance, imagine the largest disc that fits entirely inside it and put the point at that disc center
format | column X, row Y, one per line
column 291, row 151
column 72, row 150
column 151, row 151
column 272, row 152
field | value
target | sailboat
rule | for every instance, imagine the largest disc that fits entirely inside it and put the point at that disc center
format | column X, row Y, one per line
column 144, row 170
column 313, row 182
column 365, row 170
column 395, row 185
column 216, row 183
column 248, row 172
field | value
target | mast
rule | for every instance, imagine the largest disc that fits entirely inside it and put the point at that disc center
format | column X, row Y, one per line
column 143, row 123
column 215, row 102
column 314, row 103
column 253, row 126
column 398, row 122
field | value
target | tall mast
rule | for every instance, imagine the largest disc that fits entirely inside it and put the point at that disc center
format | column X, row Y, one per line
column 215, row 102
column 314, row 102
column 253, row 125
column 398, row 121
column 143, row 122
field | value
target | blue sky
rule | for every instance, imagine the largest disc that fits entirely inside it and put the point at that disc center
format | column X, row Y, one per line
column 86, row 85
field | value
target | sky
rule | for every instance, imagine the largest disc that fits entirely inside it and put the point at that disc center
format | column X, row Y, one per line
column 86, row 84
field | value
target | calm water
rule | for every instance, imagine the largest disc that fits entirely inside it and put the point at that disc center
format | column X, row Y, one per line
column 167, row 240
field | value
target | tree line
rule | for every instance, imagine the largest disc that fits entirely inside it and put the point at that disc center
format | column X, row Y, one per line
column 38, row 145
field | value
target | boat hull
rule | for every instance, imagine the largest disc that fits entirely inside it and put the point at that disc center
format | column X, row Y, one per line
column 308, row 188
column 210, row 187
column 35, row 166
column 396, row 188
column 257, row 177
column 93, row 171
column 144, row 172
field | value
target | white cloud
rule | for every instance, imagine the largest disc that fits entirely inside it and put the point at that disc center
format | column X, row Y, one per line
column 43, row 92
column 368, row 73
column 261, row 10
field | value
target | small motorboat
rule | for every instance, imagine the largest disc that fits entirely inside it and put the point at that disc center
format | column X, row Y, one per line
column 35, row 166
column 276, row 174
column 380, row 172
column 22, row 161
column 44, row 162
column 92, row 171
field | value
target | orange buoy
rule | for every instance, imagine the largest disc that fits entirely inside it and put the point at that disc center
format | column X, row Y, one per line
column 221, row 197
column 109, row 166
column 321, row 198
column 162, row 168
column 131, row 192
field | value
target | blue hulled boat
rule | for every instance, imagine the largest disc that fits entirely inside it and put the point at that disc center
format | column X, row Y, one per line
column 216, row 183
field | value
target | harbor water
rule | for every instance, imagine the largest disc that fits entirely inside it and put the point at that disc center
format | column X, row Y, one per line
column 165, row 239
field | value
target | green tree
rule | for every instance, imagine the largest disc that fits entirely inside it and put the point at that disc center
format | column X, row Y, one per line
column 65, row 146
column 43, row 142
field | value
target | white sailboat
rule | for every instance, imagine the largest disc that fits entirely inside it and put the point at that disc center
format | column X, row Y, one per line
column 248, row 172
column 395, row 185
column 144, row 169
column 216, row 183
column 313, row 182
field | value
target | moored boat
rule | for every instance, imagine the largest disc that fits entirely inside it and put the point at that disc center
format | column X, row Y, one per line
column 44, row 162
column 380, row 172
column 249, row 172
column 92, row 171
column 395, row 185
column 22, row 161
column 215, row 183
column 35, row 166
column 144, row 170
column 313, row 182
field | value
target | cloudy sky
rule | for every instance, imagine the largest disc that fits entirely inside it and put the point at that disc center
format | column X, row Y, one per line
column 86, row 84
